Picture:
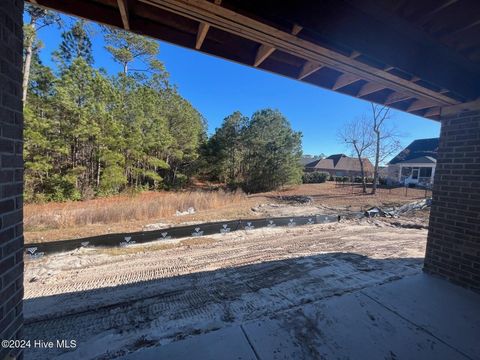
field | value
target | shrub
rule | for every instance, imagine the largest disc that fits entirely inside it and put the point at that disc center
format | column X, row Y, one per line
column 315, row 177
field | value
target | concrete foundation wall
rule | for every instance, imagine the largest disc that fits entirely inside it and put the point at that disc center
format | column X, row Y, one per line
column 453, row 247
column 11, row 172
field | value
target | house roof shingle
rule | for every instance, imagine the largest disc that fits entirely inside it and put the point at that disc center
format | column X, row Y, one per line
column 417, row 149
column 340, row 162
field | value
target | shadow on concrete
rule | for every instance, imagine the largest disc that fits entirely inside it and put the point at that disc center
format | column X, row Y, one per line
column 169, row 309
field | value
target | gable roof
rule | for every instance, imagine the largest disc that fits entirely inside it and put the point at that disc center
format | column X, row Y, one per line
column 421, row 160
column 417, row 149
column 340, row 162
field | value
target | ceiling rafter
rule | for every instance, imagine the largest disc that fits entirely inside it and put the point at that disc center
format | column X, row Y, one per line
column 428, row 15
column 396, row 97
column 263, row 52
column 201, row 34
column 370, row 88
column 270, row 37
column 419, row 105
column 124, row 13
column 308, row 69
column 345, row 80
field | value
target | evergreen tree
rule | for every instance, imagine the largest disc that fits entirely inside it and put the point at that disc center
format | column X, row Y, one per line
column 75, row 44
column 127, row 47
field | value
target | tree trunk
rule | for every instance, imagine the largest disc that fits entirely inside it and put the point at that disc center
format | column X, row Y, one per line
column 28, row 62
column 377, row 160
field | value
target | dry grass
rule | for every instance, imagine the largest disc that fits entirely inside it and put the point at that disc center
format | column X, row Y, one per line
column 120, row 209
column 73, row 220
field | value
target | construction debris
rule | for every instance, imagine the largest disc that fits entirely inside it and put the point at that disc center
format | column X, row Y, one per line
column 189, row 211
column 402, row 210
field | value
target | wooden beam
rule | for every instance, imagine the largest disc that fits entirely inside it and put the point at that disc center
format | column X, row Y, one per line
column 388, row 68
column 123, row 7
column 34, row 2
column 241, row 25
column 427, row 16
column 459, row 108
column 264, row 51
column 419, row 105
column 308, row 69
column 370, row 88
column 432, row 112
column 201, row 34
column 355, row 54
column 296, row 29
column 396, row 97
column 461, row 29
column 344, row 80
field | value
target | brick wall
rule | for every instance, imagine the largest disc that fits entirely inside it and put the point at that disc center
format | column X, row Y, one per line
column 453, row 247
column 11, row 171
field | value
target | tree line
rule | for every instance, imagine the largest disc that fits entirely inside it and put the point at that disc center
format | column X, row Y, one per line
column 88, row 133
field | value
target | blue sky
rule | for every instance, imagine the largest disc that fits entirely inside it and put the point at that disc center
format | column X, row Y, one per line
column 217, row 88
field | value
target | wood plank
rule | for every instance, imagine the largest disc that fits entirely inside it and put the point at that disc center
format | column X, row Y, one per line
column 296, row 29
column 201, row 34
column 459, row 108
column 264, row 51
column 355, row 54
column 308, row 69
column 370, row 88
column 440, row 6
column 345, row 80
column 123, row 7
column 238, row 24
column 435, row 111
column 396, row 97
column 419, row 105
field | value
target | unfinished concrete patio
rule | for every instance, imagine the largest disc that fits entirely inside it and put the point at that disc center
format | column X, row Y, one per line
column 418, row 317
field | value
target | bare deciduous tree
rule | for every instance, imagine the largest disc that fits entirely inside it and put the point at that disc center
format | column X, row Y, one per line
column 385, row 139
column 357, row 135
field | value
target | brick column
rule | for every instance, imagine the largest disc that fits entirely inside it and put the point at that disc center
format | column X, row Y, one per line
column 453, row 247
column 11, row 172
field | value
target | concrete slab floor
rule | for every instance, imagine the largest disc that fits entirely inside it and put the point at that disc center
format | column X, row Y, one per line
column 417, row 317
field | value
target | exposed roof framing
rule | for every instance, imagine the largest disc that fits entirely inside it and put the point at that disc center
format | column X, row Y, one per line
column 365, row 48
column 123, row 7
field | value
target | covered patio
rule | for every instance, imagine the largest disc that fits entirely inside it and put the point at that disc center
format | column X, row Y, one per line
column 422, row 57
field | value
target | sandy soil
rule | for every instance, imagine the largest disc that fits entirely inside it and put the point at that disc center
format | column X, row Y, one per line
column 325, row 198
column 113, row 301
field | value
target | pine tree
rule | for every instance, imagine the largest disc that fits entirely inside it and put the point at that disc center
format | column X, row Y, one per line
column 75, row 44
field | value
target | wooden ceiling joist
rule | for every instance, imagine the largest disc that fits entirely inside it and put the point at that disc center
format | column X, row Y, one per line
column 396, row 97
column 249, row 28
column 296, row 29
column 201, row 34
column 419, row 105
column 308, row 69
column 355, row 54
column 433, row 112
column 123, row 7
column 344, row 80
column 369, row 88
column 440, row 6
column 263, row 52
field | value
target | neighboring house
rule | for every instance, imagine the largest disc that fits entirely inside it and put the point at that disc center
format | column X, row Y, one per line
column 306, row 159
column 415, row 164
column 341, row 165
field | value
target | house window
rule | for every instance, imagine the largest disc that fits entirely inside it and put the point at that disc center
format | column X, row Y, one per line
column 406, row 171
column 426, row 172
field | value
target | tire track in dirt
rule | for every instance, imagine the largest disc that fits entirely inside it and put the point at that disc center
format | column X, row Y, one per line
column 169, row 294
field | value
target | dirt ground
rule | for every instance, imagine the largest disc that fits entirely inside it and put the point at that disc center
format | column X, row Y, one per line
column 323, row 198
column 113, row 301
